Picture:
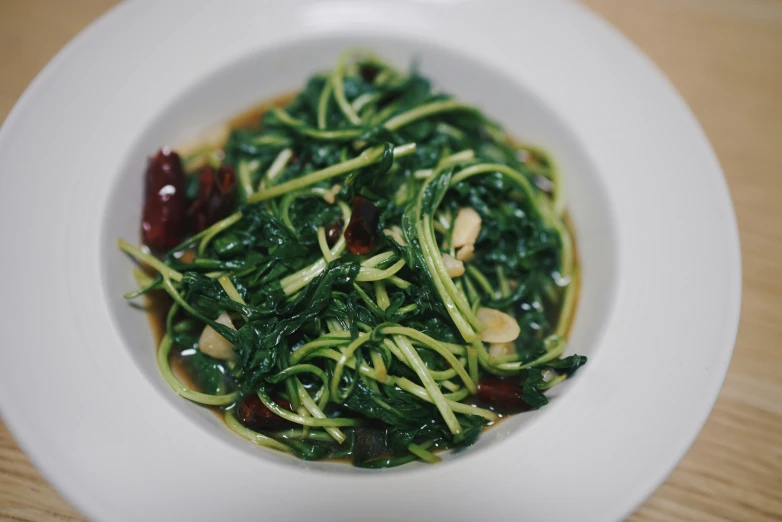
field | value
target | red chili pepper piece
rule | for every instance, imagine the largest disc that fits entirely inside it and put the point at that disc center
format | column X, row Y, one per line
column 502, row 394
column 216, row 197
column 254, row 414
column 333, row 231
column 163, row 217
column 362, row 229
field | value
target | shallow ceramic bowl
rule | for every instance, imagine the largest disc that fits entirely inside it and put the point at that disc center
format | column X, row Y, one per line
column 653, row 221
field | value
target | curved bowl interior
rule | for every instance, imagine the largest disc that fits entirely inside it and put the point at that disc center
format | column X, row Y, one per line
column 269, row 72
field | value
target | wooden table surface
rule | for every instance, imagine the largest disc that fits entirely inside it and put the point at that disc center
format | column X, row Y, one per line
column 725, row 57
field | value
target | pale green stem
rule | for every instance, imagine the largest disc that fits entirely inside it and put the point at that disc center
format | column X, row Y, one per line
column 274, row 170
column 568, row 304
column 450, row 386
column 399, row 282
column 558, row 194
column 408, row 308
column 521, row 180
column 303, row 435
column 304, row 421
column 316, row 412
column 432, row 390
column 220, row 225
column 481, row 280
column 472, row 358
column 366, row 158
column 458, row 158
column 323, row 105
column 362, row 367
column 381, row 295
column 559, row 378
column 451, row 131
column 503, row 281
column 215, row 229
column 332, row 339
column 421, row 453
column 363, row 100
column 377, row 259
column 555, row 347
column 324, row 246
column 254, row 437
column 245, row 170
column 437, row 346
column 202, row 398
column 347, row 353
column 380, row 366
column 303, row 128
column 423, row 111
column 230, row 289
column 339, row 93
column 150, row 260
column 373, row 274
column 294, row 282
column 426, row 236
column 457, row 407
column 271, row 139
column 451, row 307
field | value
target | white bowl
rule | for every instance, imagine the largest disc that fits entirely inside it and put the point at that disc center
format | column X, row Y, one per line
column 655, row 230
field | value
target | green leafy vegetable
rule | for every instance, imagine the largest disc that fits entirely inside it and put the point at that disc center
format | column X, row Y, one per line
column 371, row 357
column 207, row 373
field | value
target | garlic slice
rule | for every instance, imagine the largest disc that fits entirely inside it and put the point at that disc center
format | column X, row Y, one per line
column 465, row 253
column 453, row 267
column 466, row 227
column 215, row 345
column 499, row 327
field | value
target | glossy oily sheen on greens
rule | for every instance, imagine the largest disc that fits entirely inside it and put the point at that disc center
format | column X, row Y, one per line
column 374, row 271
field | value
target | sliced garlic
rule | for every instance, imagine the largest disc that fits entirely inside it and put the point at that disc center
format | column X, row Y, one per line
column 498, row 326
column 330, row 195
column 501, row 349
column 396, row 234
column 213, row 344
column 465, row 253
column 466, row 227
column 453, row 267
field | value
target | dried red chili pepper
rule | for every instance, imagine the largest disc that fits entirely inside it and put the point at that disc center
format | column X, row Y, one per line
column 333, row 231
column 163, row 216
column 362, row 229
column 216, row 197
column 502, row 395
column 254, row 414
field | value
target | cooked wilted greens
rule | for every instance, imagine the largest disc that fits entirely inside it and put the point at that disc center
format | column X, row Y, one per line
column 374, row 272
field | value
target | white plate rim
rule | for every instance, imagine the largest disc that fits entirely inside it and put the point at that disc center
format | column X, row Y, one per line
column 17, row 423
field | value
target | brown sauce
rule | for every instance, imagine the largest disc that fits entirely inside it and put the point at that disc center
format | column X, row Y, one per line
column 250, row 119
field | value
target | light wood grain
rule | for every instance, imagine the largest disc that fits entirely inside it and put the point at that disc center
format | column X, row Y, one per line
column 725, row 56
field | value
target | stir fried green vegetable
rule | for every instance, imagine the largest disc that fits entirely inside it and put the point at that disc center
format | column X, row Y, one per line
column 393, row 273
